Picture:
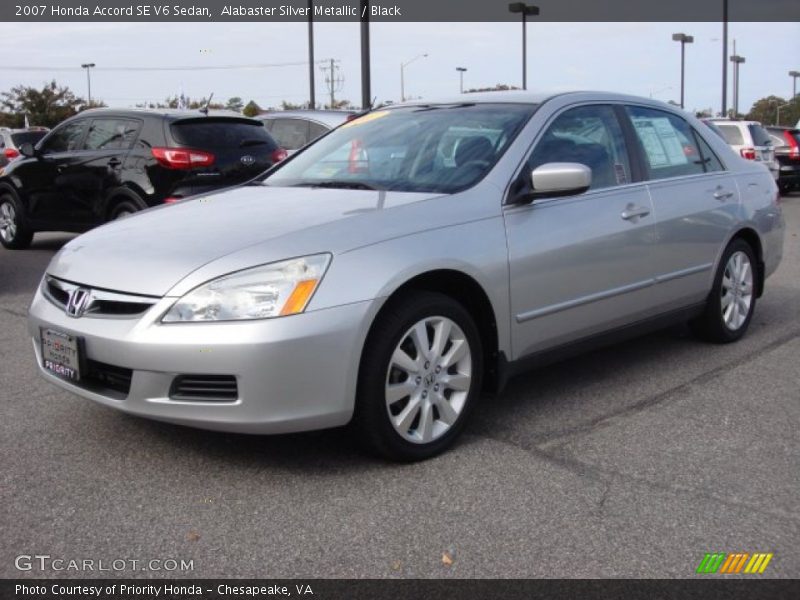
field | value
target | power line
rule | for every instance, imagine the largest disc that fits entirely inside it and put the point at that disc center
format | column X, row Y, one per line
column 177, row 68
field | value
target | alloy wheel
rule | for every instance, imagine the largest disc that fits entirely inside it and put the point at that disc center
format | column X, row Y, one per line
column 428, row 380
column 8, row 221
column 736, row 290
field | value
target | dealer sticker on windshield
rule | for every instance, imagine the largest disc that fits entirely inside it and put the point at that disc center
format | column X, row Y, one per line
column 61, row 354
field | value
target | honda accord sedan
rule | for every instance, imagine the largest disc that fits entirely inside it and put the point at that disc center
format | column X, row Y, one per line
column 399, row 269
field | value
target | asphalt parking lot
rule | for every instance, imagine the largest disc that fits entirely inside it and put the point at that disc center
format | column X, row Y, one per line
column 632, row 461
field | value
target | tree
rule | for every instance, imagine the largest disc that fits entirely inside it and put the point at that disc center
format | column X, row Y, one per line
column 766, row 111
column 174, row 101
column 290, row 105
column 252, row 109
column 235, row 104
column 47, row 107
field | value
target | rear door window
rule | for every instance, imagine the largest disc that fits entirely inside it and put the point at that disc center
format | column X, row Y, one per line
column 290, row 134
column 732, row 134
column 760, row 135
column 315, row 130
column 669, row 145
column 710, row 160
column 209, row 133
column 111, row 134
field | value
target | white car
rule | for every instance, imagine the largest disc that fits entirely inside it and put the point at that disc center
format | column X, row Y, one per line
column 751, row 141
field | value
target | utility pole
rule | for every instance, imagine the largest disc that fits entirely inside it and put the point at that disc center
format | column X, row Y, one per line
column 725, row 58
column 461, row 71
column 333, row 79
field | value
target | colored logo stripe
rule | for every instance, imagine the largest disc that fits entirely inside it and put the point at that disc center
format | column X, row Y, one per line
column 734, row 563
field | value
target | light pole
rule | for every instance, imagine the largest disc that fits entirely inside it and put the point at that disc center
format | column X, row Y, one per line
column 778, row 108
column 403, row 76
column 794, row 75
column 524, row 10
column 724, row 58
column 461, row 71
column 683, row 39
column 88, row 66
column 312, row 100
column 736, row 60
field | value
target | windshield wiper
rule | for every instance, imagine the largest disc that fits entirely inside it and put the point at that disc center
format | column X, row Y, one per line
column 340, row 183
column 244, row 143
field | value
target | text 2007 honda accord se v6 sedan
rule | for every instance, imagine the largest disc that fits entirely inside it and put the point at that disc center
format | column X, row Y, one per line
column 414, row 256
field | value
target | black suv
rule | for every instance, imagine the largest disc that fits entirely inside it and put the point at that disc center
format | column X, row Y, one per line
column 786, row 141
column 104, row 164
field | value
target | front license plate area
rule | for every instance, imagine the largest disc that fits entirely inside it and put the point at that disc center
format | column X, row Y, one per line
column 61, row 354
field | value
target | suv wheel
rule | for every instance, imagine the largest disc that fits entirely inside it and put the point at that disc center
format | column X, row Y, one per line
column 732, row 300
column 420, row 377
column 14, row 234
column 122, row 209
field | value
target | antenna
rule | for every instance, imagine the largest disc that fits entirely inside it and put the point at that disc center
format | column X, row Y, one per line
column 204, row 110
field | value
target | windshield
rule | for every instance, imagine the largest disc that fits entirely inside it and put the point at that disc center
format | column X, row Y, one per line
column 27, row 137
column 435, row 148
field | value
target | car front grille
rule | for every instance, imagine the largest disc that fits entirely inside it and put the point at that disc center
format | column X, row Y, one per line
column 204, row 388
column 100, row 303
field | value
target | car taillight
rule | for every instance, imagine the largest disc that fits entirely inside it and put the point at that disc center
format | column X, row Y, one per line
column 183, row 158
column 11, row 153
column 278, row 155
column 794, row 147
column 748, row 153
column 172, row 199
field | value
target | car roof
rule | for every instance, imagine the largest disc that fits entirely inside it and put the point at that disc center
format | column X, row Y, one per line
column 173, row 114
column 331, row 118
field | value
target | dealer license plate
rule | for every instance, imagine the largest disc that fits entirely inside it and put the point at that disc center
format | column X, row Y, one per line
column 61, row 354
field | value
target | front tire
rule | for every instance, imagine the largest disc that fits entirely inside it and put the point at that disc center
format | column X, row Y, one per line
column 732, row 301
column 123, row 209
column 420, row 376
column 14, row 232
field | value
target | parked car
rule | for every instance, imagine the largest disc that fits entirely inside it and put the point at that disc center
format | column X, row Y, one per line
column 12, row 139
column 392, row 295
column 750, row 140
column 713, row 127
column 294, row 129
column 786, row 141
column 104, row 164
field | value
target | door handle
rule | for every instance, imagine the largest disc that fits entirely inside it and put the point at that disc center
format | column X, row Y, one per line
column 114, row 162
column 632, row 211
column 721, row 193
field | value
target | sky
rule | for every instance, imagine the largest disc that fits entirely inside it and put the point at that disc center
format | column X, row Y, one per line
column 636, row 58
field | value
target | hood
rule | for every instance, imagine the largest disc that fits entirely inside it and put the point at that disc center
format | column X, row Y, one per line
column 148, row 253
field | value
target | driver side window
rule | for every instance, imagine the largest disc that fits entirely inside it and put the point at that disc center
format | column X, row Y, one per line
column 66, row 138
column 591, row 136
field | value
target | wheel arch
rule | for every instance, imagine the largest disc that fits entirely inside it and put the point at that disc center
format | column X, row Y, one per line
column 117, row 195
column 750, row 235
column 465, row 290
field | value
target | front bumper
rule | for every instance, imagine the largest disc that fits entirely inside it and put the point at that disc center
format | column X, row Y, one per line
column 294, row 373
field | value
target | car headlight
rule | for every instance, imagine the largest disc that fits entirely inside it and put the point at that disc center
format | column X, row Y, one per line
column 273, row 290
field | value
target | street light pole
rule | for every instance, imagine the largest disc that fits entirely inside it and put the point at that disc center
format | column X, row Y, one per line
column 794, row 75
column 736, row 60
column 366, row 77
column 88, row 66
column 461, row 71
column 683, row 39
column 524, row 10
column 403, row 76
column 724, row 58
column 312, row 101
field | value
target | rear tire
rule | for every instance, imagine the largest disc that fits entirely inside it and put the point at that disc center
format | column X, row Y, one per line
column 420, row 377
column 122, row 209
column 14, row 232
column 732, row 300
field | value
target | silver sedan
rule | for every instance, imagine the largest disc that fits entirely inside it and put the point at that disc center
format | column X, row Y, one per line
column 392, row 271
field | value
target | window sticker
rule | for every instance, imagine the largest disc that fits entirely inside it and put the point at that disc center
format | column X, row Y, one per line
column 660, row 141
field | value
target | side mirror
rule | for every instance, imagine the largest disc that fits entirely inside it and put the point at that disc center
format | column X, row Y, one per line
column 27, row 150
column 553, row 180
